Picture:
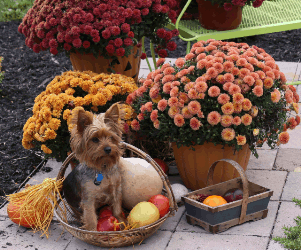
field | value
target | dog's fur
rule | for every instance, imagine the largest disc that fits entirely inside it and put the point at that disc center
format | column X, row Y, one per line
column 95, row 140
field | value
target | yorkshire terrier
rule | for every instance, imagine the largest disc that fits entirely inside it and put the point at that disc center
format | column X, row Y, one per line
column 96, row 181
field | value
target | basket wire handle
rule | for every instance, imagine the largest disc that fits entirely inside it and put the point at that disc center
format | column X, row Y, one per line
column 245, row 184
column 64, row 166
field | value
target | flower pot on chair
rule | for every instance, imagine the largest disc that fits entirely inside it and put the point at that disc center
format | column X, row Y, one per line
column 128, row 66
column 213, row 17
column 193, row 166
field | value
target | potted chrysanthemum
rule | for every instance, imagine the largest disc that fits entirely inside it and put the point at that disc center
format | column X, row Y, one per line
column 98, row 34
column 222, row 100
column 52, row 111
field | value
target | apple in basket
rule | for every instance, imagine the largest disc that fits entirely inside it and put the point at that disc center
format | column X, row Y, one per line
column 106, row 211
column 108, row 223
column 162, row 164
column 161, row 202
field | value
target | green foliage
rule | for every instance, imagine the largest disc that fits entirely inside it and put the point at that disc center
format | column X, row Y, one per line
column 1, row 72
column 14, row 10
column 293, row 234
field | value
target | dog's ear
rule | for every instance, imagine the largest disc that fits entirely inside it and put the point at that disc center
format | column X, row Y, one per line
column 113, row 113
column 81, row 118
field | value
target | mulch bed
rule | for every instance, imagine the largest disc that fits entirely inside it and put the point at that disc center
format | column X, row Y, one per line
column 27, row 74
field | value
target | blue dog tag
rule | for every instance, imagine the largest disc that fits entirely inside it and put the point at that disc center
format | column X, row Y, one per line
column 98, row 179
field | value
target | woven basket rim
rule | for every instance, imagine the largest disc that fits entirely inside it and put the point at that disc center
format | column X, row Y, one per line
column 164, row 178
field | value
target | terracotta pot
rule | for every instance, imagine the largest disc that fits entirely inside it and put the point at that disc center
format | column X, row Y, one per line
column 213, row 17
column 128, row 66
column 193, row 166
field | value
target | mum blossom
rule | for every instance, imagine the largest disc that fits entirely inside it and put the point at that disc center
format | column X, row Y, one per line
column 228, row 108
column 174, row 92
column 226, row 120
column 186, row 113
column 167, row 88
column 173, row 101
column 259, row 82
column 234, row 89
column 212, row 72
column 236, row 121
column 195, row 123
column 173, row 111
column 295, row 107
column 246, row 119
column 228, row 66
column 167, row 78
column 162, row 104
column 268, row 82
column 180, row 62
column 169, row 71
column 135, row 125
column 220, row 79
column 241, row 140
column 255, row 131
column 275, row 97
column 223, row 99
column 201, row 87
column 157, row 124
column 214, row 91
column 237, row 108
column 149, row 106
column 227, row 85
column 258, row 91
column 228, row 77
column 183, row 97
column 154, row 115
column 179, row 120
column 284, row 137
column 246, row 104
column 201, row 64
column 238, row 98
column 249, row 80
column 194, row 107
column 140, row 117
column 213, row 118
column 228, row 134
column 154, row 92
column 192, row 94
column 160, row 62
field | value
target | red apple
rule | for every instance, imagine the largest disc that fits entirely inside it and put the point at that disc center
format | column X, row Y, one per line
column 162, row 164
column 161, row 202
column 106, row 211
column 108, row 223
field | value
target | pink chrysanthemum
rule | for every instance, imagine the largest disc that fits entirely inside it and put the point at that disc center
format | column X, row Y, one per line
column 241, row 140
column 249, row 80
column 223, row 99
column 226, row 120
column 147, row 83
column 234, row 89
column 236, row 121
column 235, row 71
column 227, row 85
column 158, row 77
column 149, row 106
column 214, row 91
column 154, row 92
column 228, row 108
column 246, row 104
column 228, row 66
column 258, row 91
column 180, row 62
column 219, row 67
column 275, row 97
column 174, row 92
column 195, row 123
column 188, row 86
column 160, row 62
column 237, row 108
column 157, row 124
column 167, row 78
column 228, row 77
column 268, row 83
column 200, row 57
column 201, row 64
column 194, row 107
column 238, row 98
column 154, row 115
column 192, row 94
column 162, row 104
column 135, row 125
column 243, row 73
column 212, row 72
column 241, row 62
column 140, row 117
column 228, row 134
column 173, row 101
column 179, row 120
column 167, row 88
column 246, row 119
column 220, row 79
column 185, row 112
column 284, row 137
column 289, row 96
column 189, row 56
column 213, row 118
column 201, row 87
column 184, row 97
column 173, row 111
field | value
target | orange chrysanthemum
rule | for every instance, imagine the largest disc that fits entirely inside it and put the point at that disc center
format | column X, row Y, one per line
column 223, row 99
column 226, row 120
column 173, row 111
column 194, row 107
column 228, row 134
column 246, row 104
column 213, row 118
column 238, row 98
column 179, row 120
column 236, row 121
column 162, row 104
column 135, row 125
column 214, row 91
column 228, row 108
column 241, row 140
column 268, row 83
column 246, row 119
column 201, row 86
column 195, row 123
column 284, row 137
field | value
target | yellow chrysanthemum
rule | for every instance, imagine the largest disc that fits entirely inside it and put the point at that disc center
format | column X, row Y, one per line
column 45, row 149
column 54, row 123
column 50, row 134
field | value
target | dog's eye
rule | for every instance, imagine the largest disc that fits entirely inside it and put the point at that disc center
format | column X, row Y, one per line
column 95, row 139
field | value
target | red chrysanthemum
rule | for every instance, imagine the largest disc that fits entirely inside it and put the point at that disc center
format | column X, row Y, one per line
column 143, row 56
column 125, row 27
column 162, row 53
column 77, row 43
column 115, row 30
column 106, row 34
column 67, row 46
column 161, row 33
column 110, row 49
column 118, row 42
column 171, row 46
column 120, row 52
column 86, row 44
column 145, row 11
column 128, row 41
column 53, row 43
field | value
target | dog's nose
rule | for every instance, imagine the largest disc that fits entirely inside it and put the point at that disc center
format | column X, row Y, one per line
column 107, row 150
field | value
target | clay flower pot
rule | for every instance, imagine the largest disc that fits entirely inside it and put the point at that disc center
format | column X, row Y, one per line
column 213, row 17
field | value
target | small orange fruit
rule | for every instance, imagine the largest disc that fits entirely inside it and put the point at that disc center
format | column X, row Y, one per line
column 214, row 201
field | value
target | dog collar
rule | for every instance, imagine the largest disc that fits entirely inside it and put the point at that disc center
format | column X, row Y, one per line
column 98, row 178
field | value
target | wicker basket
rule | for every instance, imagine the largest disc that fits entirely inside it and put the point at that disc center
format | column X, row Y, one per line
column 118, row 238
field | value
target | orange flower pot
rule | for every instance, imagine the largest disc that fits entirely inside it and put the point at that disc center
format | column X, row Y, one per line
column 193, row 166
column 128, row 66
column 213, row 17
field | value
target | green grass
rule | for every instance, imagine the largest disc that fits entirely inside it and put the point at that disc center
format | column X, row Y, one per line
column 292, row 240
column 14, row 10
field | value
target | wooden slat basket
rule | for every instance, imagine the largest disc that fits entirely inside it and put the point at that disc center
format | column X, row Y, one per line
column 117, row 238
column 253, row 206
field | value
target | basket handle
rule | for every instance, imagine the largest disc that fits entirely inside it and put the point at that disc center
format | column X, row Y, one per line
column 245, row 184
column 163, row 176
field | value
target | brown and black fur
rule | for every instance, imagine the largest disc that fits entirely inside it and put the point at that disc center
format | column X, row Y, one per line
column 95, row 140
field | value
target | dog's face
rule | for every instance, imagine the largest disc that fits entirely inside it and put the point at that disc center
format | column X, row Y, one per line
column 95, row 139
